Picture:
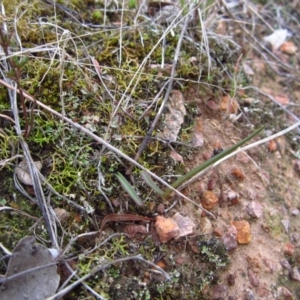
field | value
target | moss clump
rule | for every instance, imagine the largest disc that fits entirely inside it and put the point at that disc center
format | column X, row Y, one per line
column 214, row 253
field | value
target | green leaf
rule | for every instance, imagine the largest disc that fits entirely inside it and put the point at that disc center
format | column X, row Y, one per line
column 211, row 161
column 148, row 180
column 129, row 189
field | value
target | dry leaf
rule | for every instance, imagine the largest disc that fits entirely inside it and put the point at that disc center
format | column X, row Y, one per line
column 33, row 283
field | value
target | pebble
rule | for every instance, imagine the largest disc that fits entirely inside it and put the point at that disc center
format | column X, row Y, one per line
column 243, row 231
column 185, row 224
column 160, row 208
column 220, row 291
column 209, row 200
column 253, row 278
column 166, row 228
column 284, row 294
column 297, row 167
column 23, row 173
column 254, row 209
column 295, row 237
column 61, row 214
column 295, row 212
column 289, row 249
column 285, row 264
column 206, row 226
column 295, row 275
column 231, row 279
column 229, row 241
column 249, row 295
column 286, row 225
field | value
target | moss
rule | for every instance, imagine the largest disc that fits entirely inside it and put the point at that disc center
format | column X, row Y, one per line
column 63, row 78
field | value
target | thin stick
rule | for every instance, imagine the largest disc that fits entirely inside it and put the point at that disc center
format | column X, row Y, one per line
column 104, row 266
column 106, row 144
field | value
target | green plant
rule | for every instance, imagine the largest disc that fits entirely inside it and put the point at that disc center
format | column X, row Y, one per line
column 127, row 186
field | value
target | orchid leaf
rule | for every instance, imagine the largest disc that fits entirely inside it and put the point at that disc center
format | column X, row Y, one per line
column 129, row 189
column 210, row 162
column 148, row 180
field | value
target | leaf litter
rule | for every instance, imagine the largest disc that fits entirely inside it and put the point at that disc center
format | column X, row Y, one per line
column 31, row 272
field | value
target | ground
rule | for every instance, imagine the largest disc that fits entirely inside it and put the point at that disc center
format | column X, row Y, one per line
column 106, row 68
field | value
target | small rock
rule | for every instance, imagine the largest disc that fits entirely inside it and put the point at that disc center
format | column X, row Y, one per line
column 289, row 48
column 297, row 167
column 243, row 231
column 238, row 173
column 270, row 264
column 295, row 237
column 218, row 232
column 212, row 105
column 285, row 264
column 132, row 229
column 295, row 275
column 166, row 228
column 254, row 209
column 295, row 212
column 229, row 239
column 284, row 294
column 286, row 225
column 197, row 139
column 176, row 156
column 231, row 195
column 23, row 173
column 161, row 208
column 116, row 202
column 220, row 291
column 289, row 249
column 206, row 226
column 249, row 295
column 182, row 258
column 62, row 214
column 185, row 224
column 253, row 278
column 272, row 147
column 209, row 200
column 231, row 279
column 162, row 264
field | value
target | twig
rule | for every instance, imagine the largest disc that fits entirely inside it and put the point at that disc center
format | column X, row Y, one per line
column 25, row 272
column 107, row 145
column 100, row 268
